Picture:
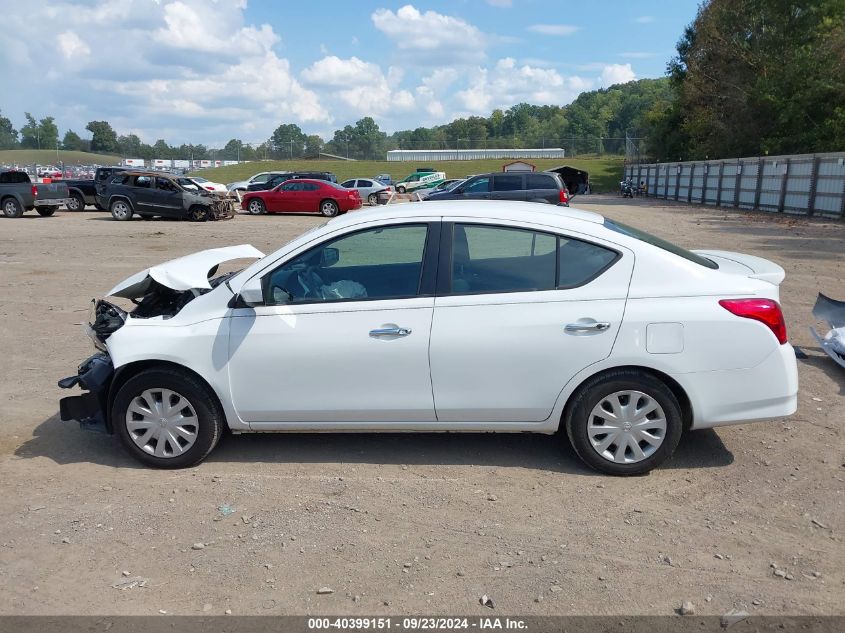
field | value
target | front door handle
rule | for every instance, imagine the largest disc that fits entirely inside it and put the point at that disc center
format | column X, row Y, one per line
column 390, row 331
column 586, row 327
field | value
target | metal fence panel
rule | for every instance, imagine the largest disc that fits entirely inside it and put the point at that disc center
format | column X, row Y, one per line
column 808, row 184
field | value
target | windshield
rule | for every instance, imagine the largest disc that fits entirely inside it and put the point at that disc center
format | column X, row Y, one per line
column 648, row 238
column 195, row 179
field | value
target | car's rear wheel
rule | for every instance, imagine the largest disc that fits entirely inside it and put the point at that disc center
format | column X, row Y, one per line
column 372, row 199
column 46, row 212
column 12, row 208
column 624, row 422
column 167, row 418
column 120, row 210
column 75, row 202
column 256, row 207
column 329, row 208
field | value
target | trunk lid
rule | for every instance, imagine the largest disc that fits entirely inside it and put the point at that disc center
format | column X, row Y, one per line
column 51, row 191
column 746, row 265
column 190, row 272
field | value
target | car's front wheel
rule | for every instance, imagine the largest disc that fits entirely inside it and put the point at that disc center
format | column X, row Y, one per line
column 625, row 422
column 167, row 418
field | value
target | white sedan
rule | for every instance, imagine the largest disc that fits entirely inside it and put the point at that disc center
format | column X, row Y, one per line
column 208, row 185
column 470, row 316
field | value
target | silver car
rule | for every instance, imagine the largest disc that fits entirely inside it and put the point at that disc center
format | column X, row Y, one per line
column 367, row 187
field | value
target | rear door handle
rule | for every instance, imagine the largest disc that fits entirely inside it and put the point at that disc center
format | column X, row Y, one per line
column 586, row 327
column 391, row 331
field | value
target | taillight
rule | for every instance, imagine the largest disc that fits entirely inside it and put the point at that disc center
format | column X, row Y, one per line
column 34, row 191
column 210, row 188
column 766, row 311
column 564, row 196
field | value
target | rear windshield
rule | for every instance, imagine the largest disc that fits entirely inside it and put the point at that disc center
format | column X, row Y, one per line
column 648, row 238
column 14, row 177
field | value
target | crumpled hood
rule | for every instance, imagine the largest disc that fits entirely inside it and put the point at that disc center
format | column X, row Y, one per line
column 185, row 273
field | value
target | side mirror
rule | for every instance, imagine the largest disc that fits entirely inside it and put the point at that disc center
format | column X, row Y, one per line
column 251, row 294
column 329, row 257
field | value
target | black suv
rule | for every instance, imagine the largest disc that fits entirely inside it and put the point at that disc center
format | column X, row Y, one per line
column 276, row 179
column 150, row 194
column 527, row 186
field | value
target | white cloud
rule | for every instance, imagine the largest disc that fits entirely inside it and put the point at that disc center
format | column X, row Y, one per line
column 644, row 19
column 554, row 29
column 72, row 46
column 617, row 74
column 431, row 37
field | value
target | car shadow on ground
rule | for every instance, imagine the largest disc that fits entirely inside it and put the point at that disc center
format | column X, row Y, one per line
column 65, row 443
column 816, row 357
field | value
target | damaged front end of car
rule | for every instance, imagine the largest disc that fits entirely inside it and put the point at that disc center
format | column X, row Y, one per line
column 159, row 292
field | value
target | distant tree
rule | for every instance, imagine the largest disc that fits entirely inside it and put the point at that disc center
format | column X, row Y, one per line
column 30, row 133
column 313, row 146
column 288, row 141
column 232, row 150
column 129, row 145
column 49, row 133
column 72, row 142
column 8, row 134
column 162, row 150
column 103, row 137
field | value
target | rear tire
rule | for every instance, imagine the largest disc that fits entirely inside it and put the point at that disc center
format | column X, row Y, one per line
column 46, row 212
column 329, row 208
column 643, row 419
column 75, row 203
column 12, row 208
column 187, row 435
column 121, row 210
column 372, row 199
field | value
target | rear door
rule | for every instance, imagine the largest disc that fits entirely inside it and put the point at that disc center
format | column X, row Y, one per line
column 542, row 187
column 143, row 192
column 509, row 186
column 518, row 313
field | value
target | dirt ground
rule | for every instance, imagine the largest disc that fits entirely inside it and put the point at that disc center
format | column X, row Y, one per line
column 405, row 523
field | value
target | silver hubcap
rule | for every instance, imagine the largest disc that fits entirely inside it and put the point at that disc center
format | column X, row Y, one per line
column 255, row 207
column 73, row 204
column 626, row 427
column 328, row 208
column 162, row 423
column 9, row 208
column 120, row 210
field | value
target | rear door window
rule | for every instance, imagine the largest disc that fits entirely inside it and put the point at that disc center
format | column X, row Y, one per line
column 507, row 183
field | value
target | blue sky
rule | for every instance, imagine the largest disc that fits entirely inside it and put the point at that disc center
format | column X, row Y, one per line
column 205, row 71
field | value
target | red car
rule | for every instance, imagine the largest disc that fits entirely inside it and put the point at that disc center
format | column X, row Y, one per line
column 303, row 195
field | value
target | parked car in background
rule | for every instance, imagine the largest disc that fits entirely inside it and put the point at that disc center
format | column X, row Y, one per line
column 446, row 185
column 19, row 194
column 302, row 196
column 270, row 179
column 367, row 188
column 384, row 179
column 154, row 194
column 209, row 185
column 524, row 186
column 420, row 180
column 480, row 317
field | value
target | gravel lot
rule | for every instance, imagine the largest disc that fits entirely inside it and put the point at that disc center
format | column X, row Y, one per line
column 405, row 523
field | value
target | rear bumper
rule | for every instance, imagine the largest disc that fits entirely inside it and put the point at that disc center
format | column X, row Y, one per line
column 50, row 202
column 89, row 409
column 769, row 390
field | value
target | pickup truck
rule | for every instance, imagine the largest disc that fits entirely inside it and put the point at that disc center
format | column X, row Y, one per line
column 18, row 194
column 84, row 192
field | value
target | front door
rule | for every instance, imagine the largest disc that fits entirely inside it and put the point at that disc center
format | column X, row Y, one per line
column 518, row 314
column 343, row 335
column 166, row 198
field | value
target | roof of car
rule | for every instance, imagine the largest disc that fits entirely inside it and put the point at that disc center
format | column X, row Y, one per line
column 504, row 209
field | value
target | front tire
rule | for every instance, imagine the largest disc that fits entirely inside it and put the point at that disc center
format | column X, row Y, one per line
column 624, row 422
column 12, row 208
column 400, row 189
column 329, row 208
column 120, row 210
column 256, row 207
column 198, row 214
column 167, row 418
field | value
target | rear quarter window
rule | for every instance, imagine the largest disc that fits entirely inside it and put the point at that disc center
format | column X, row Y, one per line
column 540, row 181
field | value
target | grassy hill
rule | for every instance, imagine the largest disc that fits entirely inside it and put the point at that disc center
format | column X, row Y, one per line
column 48, row 157
column 605, row 172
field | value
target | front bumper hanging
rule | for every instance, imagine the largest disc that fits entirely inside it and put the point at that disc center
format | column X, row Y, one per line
column 89, row 409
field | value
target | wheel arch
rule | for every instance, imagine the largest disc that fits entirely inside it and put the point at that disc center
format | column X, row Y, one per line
column 123, row 373
column 120, row 196
column 673, row 385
